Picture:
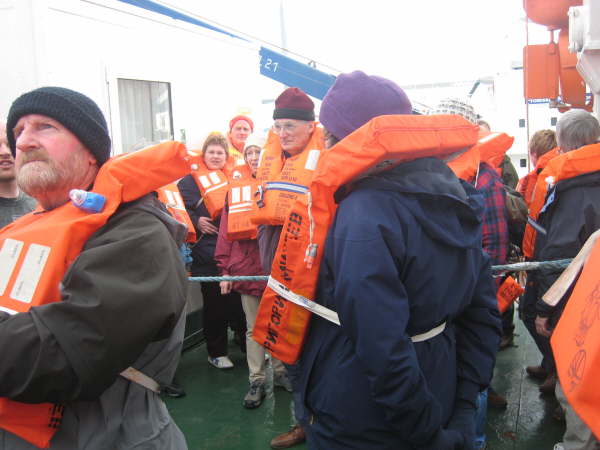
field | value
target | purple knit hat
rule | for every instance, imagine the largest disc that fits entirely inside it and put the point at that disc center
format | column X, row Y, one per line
column 356, row 98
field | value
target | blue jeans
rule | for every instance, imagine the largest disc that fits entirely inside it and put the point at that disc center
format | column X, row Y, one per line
column 481, row 420
column 300, row 411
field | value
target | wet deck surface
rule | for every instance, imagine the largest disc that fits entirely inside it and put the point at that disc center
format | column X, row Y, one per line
column 212, row 417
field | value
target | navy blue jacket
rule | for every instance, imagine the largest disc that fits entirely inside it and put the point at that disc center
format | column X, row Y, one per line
column 402, row 256
column 203, row 250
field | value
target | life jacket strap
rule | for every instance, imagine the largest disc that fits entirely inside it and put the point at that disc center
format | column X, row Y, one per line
column 429, row 334
column 140, row 378
column 8, row 311
column 320, row 310
column 330, row 315
column 536, row 226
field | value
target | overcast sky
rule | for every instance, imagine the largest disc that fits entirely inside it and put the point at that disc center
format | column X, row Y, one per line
column 416, row 42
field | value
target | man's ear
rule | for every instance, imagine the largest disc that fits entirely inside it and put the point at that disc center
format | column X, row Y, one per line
column 92, row 161
column 312, row 126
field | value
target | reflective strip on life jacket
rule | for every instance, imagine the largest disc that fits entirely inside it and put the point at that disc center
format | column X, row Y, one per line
column 562, row 167
column 37, row 249
column 171, row 197
column 286, row 187
column 381, row 144
column 284, row 181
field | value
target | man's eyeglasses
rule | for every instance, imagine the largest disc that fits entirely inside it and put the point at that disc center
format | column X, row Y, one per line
column 288, row 127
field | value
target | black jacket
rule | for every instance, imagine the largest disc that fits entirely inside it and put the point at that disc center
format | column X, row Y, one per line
column 203, row 250
column 570, row 216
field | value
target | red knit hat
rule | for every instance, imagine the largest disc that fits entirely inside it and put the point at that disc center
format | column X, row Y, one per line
column 294, row 104
column 241, row 117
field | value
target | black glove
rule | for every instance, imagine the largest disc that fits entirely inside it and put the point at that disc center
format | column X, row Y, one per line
column 444, row 439
column 463, row 422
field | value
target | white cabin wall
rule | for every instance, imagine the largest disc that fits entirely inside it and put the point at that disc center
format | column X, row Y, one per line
column 210, row 75
column 19, row 35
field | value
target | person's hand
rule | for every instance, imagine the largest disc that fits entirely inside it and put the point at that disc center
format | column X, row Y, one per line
column 542, row 327
column 225, row 287
column 206, row 225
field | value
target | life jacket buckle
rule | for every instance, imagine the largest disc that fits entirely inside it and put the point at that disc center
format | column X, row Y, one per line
column 260, row 192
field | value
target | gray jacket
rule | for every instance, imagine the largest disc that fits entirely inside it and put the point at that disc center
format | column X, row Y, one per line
column 122, row 305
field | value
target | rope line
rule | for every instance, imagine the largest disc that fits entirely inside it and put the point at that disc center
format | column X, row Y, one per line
column 559, row 264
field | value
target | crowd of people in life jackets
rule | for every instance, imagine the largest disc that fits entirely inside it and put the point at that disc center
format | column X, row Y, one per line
column 377, row 227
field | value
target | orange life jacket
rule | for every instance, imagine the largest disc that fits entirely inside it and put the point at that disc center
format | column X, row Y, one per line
column 37, row 249
column 213, row 185
column 507, row 293
column 493, row 147
column 282, row 182
column 466, row 165
column 237, row 169
column 526, row 184
column 382, row 143
column 576, row 344
column 490, row 148
column 562, row 167
column 170, row 196
column 241, row 204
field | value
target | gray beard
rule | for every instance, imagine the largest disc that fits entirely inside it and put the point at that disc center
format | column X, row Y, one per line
column 39, row 178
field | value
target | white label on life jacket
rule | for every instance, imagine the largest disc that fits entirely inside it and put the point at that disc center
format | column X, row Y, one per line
column 179, row 201
column 170, row 197
column 214, row 177
column 30, row 273
column 204, row 181
column 247, row 193
column 9, row 254
column 312, row 159
column 235, row 195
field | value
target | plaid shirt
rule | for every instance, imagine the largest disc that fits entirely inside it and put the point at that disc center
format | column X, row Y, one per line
column 495, row 226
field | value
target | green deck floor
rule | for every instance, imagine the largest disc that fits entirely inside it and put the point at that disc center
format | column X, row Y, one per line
column 212, row 417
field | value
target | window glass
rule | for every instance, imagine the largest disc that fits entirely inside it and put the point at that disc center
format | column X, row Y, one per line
column 145, row 110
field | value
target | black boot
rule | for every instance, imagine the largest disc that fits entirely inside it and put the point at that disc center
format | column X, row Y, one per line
column 174, row 389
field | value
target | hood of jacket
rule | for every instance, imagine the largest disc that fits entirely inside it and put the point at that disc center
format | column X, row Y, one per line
column 432, row 192
column 152, row 205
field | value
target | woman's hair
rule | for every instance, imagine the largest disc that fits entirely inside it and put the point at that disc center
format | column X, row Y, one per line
column 215, row 139
column 248, row 147
column 575, row 129
column 542, row 142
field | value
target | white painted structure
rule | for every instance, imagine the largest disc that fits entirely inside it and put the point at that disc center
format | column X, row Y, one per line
column 88, row 45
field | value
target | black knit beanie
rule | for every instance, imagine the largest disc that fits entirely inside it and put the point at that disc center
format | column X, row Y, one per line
column 78, row 113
